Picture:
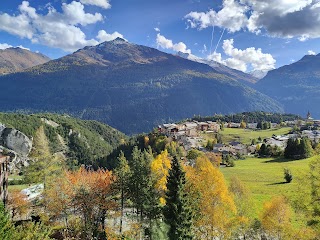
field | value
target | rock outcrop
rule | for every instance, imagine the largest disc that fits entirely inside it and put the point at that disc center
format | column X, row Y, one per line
column 16, row 141
column 18, row 145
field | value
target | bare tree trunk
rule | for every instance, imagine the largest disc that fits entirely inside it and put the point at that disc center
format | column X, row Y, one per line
column 122, row 206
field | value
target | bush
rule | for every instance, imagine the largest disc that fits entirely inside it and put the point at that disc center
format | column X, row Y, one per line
column 229, row 161
column 16, row 182
column 288, row 175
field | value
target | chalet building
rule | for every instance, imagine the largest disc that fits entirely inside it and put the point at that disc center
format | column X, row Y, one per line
column 252, row 125
column 203, row 126
column 4, row 172
column 213, row 126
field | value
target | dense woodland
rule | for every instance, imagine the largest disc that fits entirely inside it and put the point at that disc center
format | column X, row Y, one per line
column 250, row 117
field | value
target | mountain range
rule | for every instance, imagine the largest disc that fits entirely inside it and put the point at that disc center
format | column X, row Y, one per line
column 130, row 87
column 17, row 59
column 295, row 86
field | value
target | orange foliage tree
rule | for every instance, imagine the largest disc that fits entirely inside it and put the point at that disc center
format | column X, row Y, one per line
column 18, row 204
column 88, row 193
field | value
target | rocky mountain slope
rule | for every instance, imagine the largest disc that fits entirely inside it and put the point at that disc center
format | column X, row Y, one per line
column 130, row 87
column 17, row 59
column 296, row 86
column 245, row 78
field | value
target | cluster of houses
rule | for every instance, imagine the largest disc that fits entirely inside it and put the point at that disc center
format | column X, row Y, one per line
column 232, row 148
column 190, row 129
column 188, row 135
column 313, row 135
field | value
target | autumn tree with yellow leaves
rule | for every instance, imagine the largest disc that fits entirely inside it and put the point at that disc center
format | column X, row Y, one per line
column 211, row 200
column 243, row 201
column 276, row 217
column 160, row 167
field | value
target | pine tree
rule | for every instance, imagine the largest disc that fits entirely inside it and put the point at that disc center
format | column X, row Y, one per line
column 122, row 173
column 177, row 213
column 142, row 190
column 288, row 152
column 306, row 148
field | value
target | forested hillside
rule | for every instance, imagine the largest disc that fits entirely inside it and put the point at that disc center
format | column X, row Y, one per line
column 82, row 141
column 250, row 117
column 296, row 86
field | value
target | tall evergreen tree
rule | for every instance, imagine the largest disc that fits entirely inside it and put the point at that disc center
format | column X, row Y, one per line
column 291, row 148
column 306, row 148
column 298, row 149
column 177, row 213
column 122, row 172
column 142, row 190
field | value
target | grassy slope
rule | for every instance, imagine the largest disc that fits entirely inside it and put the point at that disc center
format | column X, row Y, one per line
column 264, row 177
column 245, row 135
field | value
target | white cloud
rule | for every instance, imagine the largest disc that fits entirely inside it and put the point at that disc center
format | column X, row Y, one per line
column 17, row 25
column 280, row 18
column 244, row 59
column 157, row 29
column 310, row 52
column 205, row 49
column 165, row 43
column 100, row 3
column 4, row 46
column 22, row 47
column 232, row 16
column 104, row 36
column 217, row 57
column 54, row 29
column 74, row 14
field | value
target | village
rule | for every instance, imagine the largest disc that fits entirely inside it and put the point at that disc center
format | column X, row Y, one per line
column 193, row 135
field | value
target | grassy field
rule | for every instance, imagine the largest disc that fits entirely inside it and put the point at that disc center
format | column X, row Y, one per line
column 246, row 135
column 264, row 177
column 17, row 187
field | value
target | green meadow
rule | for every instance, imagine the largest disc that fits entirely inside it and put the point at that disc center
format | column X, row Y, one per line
column 246, row 135
column 264, row 177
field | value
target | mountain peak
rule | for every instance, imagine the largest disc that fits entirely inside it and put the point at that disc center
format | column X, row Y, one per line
column 119, row 39
column 116, row 41
column 15, row 59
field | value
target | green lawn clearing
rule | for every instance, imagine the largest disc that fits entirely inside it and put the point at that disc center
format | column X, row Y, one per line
column 264, row 177
column 246, row 135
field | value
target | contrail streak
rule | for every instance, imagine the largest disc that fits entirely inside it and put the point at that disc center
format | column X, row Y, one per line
column 211, row 39
column 219, row 40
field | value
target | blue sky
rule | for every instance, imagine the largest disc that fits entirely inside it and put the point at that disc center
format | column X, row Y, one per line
column 254, row 35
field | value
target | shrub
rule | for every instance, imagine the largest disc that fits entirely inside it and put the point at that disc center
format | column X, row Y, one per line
column 288, row 175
